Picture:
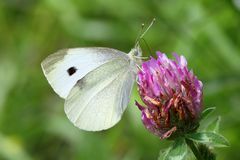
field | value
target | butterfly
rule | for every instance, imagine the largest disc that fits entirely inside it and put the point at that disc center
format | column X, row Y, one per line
column 96, row 83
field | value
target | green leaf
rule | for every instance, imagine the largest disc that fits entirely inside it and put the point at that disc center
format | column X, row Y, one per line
column 209, row 138
column 163, row 154
column 214, row 126
column 207, row 111
column 206, row 152
column 177, row 151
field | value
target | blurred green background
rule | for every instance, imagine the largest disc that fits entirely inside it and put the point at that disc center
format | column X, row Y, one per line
column 33, row 125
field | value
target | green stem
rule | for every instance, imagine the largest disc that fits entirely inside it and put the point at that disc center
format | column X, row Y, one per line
column 194, row 149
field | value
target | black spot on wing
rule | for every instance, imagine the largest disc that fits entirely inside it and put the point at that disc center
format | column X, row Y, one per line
column 71, row 70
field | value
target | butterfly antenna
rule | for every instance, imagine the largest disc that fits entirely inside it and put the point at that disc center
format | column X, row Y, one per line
column 150, row 25
column 141, row 33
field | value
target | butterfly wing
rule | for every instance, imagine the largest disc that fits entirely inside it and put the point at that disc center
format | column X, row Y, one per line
column 64, row 68
column 98, row 100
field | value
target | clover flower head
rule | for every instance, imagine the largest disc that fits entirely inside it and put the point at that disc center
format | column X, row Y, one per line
column 172, row 95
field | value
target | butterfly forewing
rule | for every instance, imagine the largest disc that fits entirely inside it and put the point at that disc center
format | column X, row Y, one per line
column 64, row 68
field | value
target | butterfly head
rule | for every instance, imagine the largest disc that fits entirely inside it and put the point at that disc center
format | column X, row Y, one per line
column 136, row 51
column 135, row 55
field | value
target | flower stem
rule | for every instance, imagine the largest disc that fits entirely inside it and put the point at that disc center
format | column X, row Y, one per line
column 194, row 149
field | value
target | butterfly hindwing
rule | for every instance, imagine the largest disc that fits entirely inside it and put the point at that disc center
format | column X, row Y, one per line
column 98, row 100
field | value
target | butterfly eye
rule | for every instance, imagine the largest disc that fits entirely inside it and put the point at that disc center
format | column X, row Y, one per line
column 71, row 70
column 135, row 53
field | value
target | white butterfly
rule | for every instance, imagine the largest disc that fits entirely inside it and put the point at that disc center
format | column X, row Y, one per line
column 96, row 83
